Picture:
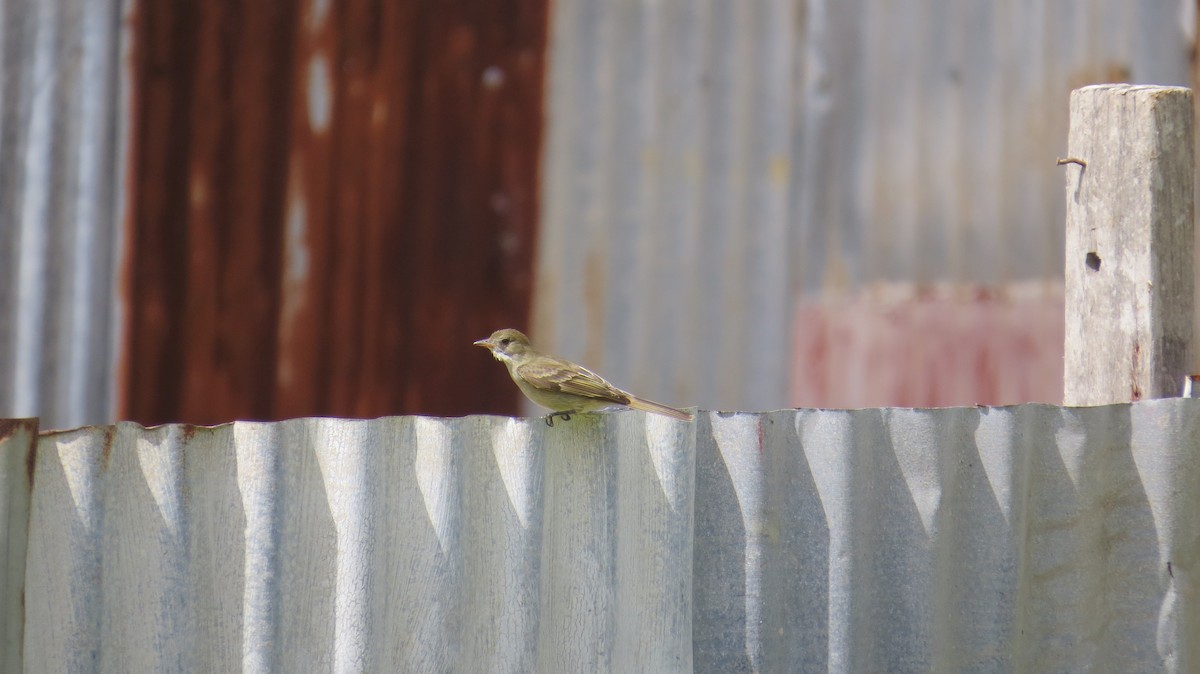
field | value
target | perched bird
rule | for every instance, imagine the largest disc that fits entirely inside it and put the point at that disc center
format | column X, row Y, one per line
column 559, row 384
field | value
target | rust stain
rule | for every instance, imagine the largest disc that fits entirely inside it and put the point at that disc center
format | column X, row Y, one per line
column 188, row 432
column 106, row 445
column 31, row 461
column 203, row 282
column 376, row 136
column 1135, row 391
column 10, row 428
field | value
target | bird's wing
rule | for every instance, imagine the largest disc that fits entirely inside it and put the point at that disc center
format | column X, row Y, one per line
column 556, row 374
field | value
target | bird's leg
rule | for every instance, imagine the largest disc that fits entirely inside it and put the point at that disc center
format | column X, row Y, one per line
column 566, row 416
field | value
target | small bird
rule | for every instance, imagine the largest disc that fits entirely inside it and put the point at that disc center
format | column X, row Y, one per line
column 559, row 384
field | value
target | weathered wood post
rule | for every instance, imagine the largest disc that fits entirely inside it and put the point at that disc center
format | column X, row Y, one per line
column 18, row 440
column 1129, row 258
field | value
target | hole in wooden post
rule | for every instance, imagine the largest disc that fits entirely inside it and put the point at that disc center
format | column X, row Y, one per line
column 1093, row 261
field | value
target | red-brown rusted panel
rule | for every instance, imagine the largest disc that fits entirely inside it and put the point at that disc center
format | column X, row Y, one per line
column 331, row 201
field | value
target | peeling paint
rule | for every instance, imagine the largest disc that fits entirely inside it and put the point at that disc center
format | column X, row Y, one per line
column 320, row 90
column 930, row 346
column 296, row 266
column 493, row 77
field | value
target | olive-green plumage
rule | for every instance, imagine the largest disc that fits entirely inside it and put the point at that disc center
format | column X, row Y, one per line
column 559, row 384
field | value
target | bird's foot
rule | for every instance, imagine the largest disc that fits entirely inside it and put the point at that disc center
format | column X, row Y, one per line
column 566, row 416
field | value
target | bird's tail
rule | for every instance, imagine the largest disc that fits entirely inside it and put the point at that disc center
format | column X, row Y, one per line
column 658, row 408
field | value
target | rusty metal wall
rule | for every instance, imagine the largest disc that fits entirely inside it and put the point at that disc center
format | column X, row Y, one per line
column 61, row 139
column 1028, row 539
column 332, row 201
column 710, row 164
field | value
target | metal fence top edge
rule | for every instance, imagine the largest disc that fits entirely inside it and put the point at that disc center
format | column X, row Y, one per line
column 8, row 426
column 11, row 427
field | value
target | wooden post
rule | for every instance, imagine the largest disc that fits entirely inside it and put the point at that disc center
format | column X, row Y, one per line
column 18, row 447
column 1129, row 259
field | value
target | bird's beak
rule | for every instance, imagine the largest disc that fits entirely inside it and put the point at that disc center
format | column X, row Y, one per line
column 484, row 343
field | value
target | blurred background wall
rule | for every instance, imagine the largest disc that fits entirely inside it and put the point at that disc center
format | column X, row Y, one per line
column 235, row 210
column 329, row 202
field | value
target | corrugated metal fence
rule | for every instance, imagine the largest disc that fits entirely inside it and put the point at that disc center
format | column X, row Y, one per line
column 1030, row 538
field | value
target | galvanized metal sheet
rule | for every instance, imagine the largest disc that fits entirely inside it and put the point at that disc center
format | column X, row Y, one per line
column 1030, row 538
column 666, row 175
column 60, row 198
column 707, row 163
column 928, row 131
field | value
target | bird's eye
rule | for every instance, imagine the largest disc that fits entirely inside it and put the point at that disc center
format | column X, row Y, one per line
column 505, row 342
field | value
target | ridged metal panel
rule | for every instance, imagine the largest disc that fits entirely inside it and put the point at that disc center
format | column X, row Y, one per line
column 708, row 162
column 60, row 196
column 1030, row 538
column 665, row 203
column 332, row 201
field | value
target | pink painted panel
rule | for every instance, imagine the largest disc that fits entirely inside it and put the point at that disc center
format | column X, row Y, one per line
column 937, row 346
